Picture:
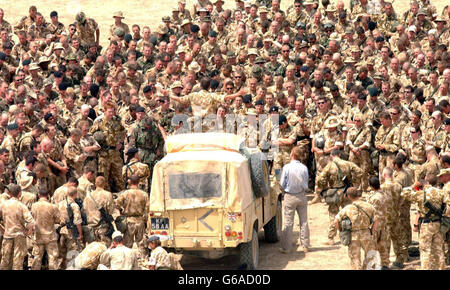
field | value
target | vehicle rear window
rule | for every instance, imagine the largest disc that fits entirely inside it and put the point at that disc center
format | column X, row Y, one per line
column 195, row 185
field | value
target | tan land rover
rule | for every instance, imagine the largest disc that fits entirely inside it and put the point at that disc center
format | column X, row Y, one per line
column 210, row 196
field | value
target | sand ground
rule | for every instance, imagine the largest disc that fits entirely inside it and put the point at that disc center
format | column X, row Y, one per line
column 150, row 13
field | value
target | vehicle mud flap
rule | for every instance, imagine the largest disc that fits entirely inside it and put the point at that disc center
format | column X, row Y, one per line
column 259, row 171
column 272, row 230
column 249, row 253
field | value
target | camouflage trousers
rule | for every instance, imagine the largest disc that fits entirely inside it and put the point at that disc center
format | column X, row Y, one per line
column 110, row 166
column 14, row 251
column 321, row 161
column 66, row 245
column 333, row 210
column 365, row 163
column 399, row 242
column 38, row 253
column 382, row 243
column 400, row 234
column 431, row 245
column 282, row 158
column 361, row 240
column 135, row 234
column 386, row 160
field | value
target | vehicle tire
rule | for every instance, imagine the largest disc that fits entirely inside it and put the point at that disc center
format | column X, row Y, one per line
column 259, row 171
column 272, row 230
column 249, row 252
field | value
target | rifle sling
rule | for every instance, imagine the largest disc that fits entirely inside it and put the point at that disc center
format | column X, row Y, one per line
column 359, row 208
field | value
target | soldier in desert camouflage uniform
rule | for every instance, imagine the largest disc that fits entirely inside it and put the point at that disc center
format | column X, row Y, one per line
column 382, row 202
column 431, row 240
column 133, row 203
column 46, row 216
column 19, row 223
column 135, row 167
column 110, row 162
column 332, row 176
column 364, row 224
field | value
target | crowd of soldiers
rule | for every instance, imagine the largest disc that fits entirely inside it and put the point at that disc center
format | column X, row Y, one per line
column 361, row 90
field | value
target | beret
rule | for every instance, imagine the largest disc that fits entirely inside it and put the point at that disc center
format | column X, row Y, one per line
column 247, row 99
column 195, row 28
column 259, row 102
column 282, row 119
column 153, row 238
column 373, row 91
column 140, row 109
column 128, row 37
column 212, row 33
column 132, row 151
column 2, row 56
column 53, row 14
column 58, row 74
column 273, row 109
column 48, row 116
column 12, row 126
column 26, row 62
column 63, row 86
column 147, row 89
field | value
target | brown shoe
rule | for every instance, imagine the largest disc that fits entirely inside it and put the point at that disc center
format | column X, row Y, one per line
column 304, row 249
column 314, row 200
column 330, row 242
column 284, row 251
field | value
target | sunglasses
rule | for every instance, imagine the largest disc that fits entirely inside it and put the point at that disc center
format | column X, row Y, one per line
column 413, row 132
column 321, row 103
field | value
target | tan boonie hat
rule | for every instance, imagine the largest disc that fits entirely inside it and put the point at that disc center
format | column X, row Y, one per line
column 26, row 182
column 263, row 9
column 58, row 46
column 331, row 122
column 194, row 66
column 330, row 8
column 34, row 66
column 444, row 171
column 175, row 9
column 176, row 84
column 162, row 29
column 350, row 60
column 252, row 51
column 185, row 21
column 118, row 14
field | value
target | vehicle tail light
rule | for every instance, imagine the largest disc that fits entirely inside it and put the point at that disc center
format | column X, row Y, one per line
column 152, row 214
column 157, row 232
column 233, row 234
column 164, row 233
column 152, row 233
column 227, row 234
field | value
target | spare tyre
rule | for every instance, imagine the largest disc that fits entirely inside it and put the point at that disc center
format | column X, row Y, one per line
column 259, row 172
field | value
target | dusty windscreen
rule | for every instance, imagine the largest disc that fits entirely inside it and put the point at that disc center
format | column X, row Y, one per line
column 195, row 185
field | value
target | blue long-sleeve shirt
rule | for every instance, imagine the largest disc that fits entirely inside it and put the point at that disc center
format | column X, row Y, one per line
column 294, row 178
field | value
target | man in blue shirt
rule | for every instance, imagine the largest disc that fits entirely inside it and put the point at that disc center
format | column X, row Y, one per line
column 294, row 181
